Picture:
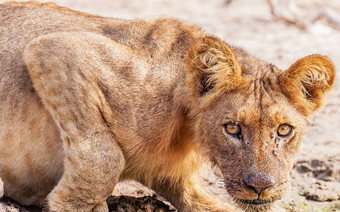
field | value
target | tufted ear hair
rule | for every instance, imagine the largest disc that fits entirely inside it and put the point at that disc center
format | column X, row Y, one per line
column 211, row 67
column 308, row 81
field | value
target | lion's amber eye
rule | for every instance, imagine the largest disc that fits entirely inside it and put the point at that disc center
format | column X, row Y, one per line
column 284, row 130
column 232, row 128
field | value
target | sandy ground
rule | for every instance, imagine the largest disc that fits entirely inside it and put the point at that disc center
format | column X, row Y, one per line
column 250, row 25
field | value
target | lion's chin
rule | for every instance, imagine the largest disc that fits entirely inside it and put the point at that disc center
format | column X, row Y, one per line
column 255, row 201
column 255, row 205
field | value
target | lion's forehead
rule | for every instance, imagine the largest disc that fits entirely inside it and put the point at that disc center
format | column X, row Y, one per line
column 262, row 104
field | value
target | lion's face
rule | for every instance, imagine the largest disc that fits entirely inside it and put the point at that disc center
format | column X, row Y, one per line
column 253, row 136
column 251, row 116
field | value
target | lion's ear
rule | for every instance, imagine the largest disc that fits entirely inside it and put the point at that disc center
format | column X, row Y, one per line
column 308, row 81
column 211, row 65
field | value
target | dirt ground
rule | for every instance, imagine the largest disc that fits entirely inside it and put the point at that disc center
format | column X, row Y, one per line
column 250, row 25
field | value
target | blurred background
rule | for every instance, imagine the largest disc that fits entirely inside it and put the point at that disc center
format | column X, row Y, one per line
column 249, row 24
column 278, row 31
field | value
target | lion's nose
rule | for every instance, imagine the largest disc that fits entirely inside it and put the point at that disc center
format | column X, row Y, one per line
column 259, row 182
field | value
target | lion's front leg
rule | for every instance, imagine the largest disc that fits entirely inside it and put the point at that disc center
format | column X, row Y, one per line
column 92, row 169
column 66, row 70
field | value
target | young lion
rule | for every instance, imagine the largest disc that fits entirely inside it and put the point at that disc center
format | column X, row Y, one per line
column 88, row 101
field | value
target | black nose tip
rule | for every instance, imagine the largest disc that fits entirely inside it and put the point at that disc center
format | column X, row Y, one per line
column 259, row 182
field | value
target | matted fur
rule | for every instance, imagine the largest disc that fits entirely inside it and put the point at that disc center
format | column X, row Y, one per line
column 211, row 65
column 89, row 101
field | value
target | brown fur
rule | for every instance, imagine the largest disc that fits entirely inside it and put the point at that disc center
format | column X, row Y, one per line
column 88, row 101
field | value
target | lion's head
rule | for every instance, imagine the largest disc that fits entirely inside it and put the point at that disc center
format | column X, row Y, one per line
column 251, row 116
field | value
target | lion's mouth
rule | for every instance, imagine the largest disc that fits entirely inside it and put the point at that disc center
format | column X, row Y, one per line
column 254, row 201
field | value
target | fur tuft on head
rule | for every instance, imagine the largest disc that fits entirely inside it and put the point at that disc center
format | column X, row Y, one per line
column 308, row 81
column 211, row 67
